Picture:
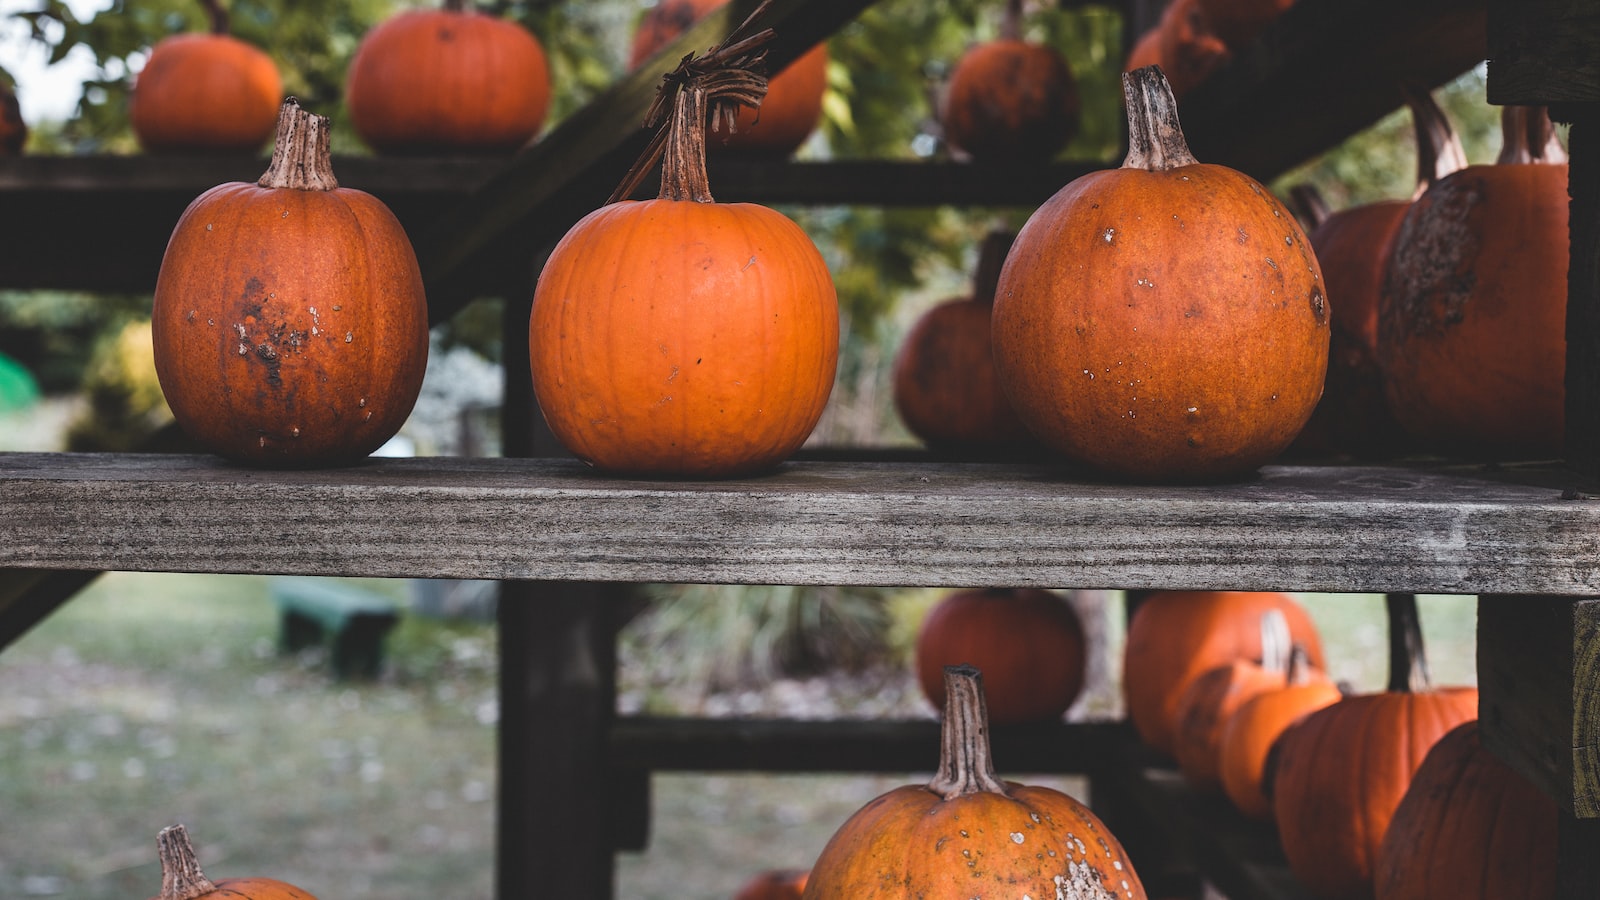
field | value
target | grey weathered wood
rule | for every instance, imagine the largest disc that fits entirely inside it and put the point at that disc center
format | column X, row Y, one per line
column 1542, row 52
column 28, row 596
column 1292, row 527
column 1539, row 693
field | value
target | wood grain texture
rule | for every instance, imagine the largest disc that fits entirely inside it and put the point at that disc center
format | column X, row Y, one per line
column 956, row 525
column 1542, row 52
column 1539, row 693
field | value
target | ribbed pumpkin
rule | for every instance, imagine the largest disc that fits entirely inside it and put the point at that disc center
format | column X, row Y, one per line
column 681, row 337
column 777, row 884
column 792, row 107
column 967, row 833
column 1472, row 321
column 1239, row 22
column 1469, row 828
column 13, row 131
column 182, row 879
column 944, row 383
column 1248, row 735
column 1165, row 321
column 289, row 323
column 1183, row 45
column 1343, row 769
column 1028, row 643
column 1176, row 636
column 451, row 80
column 205, row 93
column 1010, row 100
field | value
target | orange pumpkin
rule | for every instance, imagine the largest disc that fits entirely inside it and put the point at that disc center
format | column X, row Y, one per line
column 1469, row 828
column 1248, row 735
column 967, row 832
column 1028, row 643
column 1176, row 636
column 182, row 879
column 681, row 337
column 778, row 884
column 448, row 80
column 1183, row 45
column 944, row 383
column 1343, row 769
column 205, row 93
column 1165, row 321
column 289, row 323
column 13, row 131
column 793, row 105
column 1011, row 100
column 1239, row 22
column 1472, row 318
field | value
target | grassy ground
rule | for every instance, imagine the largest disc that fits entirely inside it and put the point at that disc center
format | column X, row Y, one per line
column 152, row 699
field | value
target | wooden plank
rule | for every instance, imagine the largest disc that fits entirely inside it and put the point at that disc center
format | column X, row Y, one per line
column 1363, row 528
column 1539, row 700
column 28, row 596
column 1577, row 863
column 1543, row 52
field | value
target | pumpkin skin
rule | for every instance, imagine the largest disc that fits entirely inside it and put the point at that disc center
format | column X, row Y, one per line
column 1248, row 736
column 792, row 107
column 1011, row 101
column 205, row 93
column 289, row 326
column 1176, row 636
column 182, row 879
column 448, row 81
column 1183, row 45
column 1028, row 643
column 1469, row 828
column 13, row 131
column 1002, row 837
column 1165, row 321
column 1239, row 22
column 778, row 884
column 1472, row 320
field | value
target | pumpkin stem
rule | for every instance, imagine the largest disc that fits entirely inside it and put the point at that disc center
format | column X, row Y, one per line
column 1408, row 663
column 1155, row 139
column 1439, row 150
column 1299, row 670
column 1309, row 204
column 217, row 15
column 181, row 878
column 1530, row 137
column 965, row 765
column 991, row 259
column 301, row 159
column 1011, row 23
column 1277, row 646
column 456, row 6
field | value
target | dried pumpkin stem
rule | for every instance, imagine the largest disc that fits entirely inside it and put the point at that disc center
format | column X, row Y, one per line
column 991, row 259
column 965, row 763
column 456, row 5
column 1530, row 137
column 1408, row 662
column 1299, row 671
column 1439, row 150
column 217, row 14
column 683, row 165
column 301, row 159
column 1277, row 645
column 1011, row 24
column 1309, row 204
column 181, row 878
column 1155, row 139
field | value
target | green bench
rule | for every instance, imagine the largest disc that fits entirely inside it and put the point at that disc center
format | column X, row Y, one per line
column 312, row 610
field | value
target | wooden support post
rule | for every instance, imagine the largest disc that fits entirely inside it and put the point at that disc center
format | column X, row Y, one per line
column 27, row 596
column 1577, row 862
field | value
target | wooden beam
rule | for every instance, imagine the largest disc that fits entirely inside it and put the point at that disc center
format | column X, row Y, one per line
column 28, row 596
column 1539, row 701
column 1543, row 52
column 1583, row 291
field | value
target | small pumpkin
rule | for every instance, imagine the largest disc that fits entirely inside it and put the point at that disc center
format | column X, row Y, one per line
column 289, row 325
column 1248, row 735
column 1028, row 643
column 1011, row 100
column 1342, row 770
column 1469, row 828
column 1472, row 316
column 1176, row 636
column 1183, row 44
column 775, row 884
column 1165, row 321
column 1239, row 22
column 681, row 337
column 205, row 93
column 789, row 112
column 182, row 879
column 13, row 131
column 944, row 382
column 967, row 832
column 451, row 80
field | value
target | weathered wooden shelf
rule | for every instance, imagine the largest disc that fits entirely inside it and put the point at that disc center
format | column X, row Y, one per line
column 1320, row 528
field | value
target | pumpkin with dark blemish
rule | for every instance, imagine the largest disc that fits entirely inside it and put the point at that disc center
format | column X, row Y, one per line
column 182, row 878
column 1133, row 331
column 205, row 93
column 289, row 323
column 967, row 833
column 1011, row 100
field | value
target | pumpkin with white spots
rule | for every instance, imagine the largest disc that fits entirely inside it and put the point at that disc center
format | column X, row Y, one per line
column 967, row 833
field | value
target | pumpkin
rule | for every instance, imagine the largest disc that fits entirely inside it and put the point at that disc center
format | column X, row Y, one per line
column 968, row 833
column 451, row 80
column 777, row 884
column 1176, row 636
column 1343, row 769
column 1353, row 246
column 182, row 879
column 681, row 337
column 792, row 107
column 205, row 93
column 1165, row 321
column 1247, row 736
column 13, row 131
column 1472, row 316
column 289, row 325
column 1183, row 45
column 1011, row 100
column 1028, row 642
column 1469, row 828
column 1237, row 23
column 943, row 378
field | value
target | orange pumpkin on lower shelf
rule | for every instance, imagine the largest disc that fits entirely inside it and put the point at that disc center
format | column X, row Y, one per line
column 777, row 884
column 182, row 879
column 1247, row 737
